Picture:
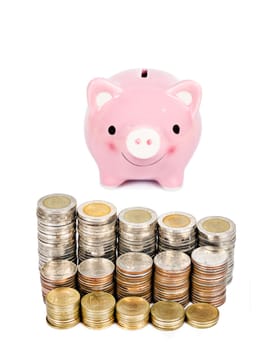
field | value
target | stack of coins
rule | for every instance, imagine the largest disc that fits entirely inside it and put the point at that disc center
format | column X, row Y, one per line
column 171, row 276
column 202, row 315
column 167, row 315
column 56, row 215
column 134, row 275
column 220, row 232
column 137, row 231
column 63, row 307
column 57, row 273
column 98, row 309
column 97, row 230
column 132, row 312
column 177, row 231
column 96, row 274
column 209, row 275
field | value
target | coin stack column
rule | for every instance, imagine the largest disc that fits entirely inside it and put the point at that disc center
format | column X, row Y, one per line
column 171, row 276
column 56, row 214
column 97, row 230
column 219, row 231
column 177, row 231
column 137, row 231
column 134, row 275
column 209, row 273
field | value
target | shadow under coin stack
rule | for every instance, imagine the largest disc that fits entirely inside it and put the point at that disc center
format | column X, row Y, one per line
column 209, row 275
column 57, row 273
column 177, row 231
column 171, row 276
column 63, row 307
column 96, row 274
column 219, row 232
column 134, row 275
column 97, row 230
column 56, row 216
column 98, row 309
column 167, row 315
column 132, row 312
column 137, row 231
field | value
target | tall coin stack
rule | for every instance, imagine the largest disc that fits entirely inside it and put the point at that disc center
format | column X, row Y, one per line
column 137, row 231
column 96, row 274
column 209, row 275
column 97, row 230
column 171, row 276
column 57, row 273
column 134, row 275
column 219, row 232
column 177, row 231
column 56, row 214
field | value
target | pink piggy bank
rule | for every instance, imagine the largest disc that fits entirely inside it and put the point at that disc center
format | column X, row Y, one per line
column 142, row 125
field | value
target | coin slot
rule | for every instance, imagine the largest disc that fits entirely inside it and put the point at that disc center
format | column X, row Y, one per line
column 144, row 73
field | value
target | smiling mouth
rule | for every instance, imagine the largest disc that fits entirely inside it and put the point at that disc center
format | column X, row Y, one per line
column 150, row 164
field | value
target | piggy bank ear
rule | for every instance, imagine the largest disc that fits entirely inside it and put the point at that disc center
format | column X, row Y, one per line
column 189, row 93
column 100, row 91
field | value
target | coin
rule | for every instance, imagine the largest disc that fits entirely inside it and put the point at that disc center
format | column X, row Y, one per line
column 209, row 274
column 57, row 273
column 97, row 230
column 167, row 315
column 96, row 274
column 177, row 231
column 134, row 275
column 220, row 232
column 98, row 309
column 171, row 277
column 56, row 214
column 202, row 315
column 137, row 231
column 132, row 312
column 63, row 307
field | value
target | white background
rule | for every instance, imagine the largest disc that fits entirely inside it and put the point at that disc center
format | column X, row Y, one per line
column 49, row 51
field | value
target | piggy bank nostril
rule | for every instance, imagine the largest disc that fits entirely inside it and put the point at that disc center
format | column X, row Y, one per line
column 138, row 141
column 149, row 142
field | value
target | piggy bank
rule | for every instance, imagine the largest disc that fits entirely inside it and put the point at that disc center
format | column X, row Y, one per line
column 142, row 124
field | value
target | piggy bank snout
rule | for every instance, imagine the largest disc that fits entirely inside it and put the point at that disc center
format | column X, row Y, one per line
column 143, row 143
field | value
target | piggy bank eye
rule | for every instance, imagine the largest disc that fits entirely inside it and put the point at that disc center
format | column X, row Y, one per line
column 111, row 130
column 176, row 129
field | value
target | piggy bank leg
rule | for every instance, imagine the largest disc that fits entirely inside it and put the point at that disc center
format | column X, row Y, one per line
column 110, row 180
column 172, row 182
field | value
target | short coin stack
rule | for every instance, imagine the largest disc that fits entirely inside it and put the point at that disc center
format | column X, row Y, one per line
column 56, row 215
column 57, row 273
column 171, row 276
column 98, row 309
column 132, row 312
column 167, row 315
column 220, row 232
column 137, row 231
column 97, row 230
column 96, row 274
column 177, row 231
column 134, row 275
column 202, row 315
column 63, row 307
column 209, row 275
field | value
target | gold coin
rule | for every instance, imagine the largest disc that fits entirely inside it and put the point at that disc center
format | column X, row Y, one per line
column 63, row 296
column 56, row 202
column 216, row 225
column 176, row 220
column 132, row 306
column 202, row 315
column 137, row 216
column 96, row 209
column 167, row 311
column 98, row 301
